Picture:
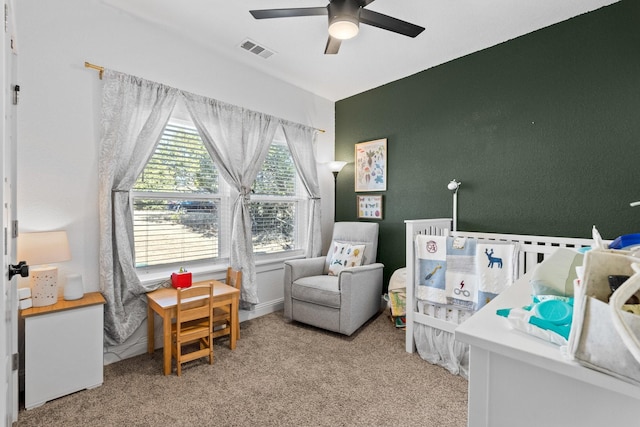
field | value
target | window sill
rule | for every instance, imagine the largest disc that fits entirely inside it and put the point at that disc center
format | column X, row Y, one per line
column 217, row 271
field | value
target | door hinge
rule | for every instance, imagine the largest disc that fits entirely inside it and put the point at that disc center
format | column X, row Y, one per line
column 14, row 228
column 15, row 361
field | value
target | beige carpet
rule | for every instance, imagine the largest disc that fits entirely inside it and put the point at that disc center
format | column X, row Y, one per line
column 281, row 374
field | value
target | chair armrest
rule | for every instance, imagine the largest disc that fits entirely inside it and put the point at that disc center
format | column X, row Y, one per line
column 297, row 268
column 369, row 275
column 361, row 294
column 362, row 268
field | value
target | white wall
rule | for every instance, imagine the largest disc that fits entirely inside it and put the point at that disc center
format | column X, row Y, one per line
column 59, row 112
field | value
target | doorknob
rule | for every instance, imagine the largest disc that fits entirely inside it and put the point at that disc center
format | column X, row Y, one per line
column 22, row 269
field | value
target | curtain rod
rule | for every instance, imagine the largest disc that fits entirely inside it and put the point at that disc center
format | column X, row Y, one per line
column 95, row 67
column 101, row 72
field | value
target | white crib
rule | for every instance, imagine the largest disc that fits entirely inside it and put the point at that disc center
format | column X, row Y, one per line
column 444, row 318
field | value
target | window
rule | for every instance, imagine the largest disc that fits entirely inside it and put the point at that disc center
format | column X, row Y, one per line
column 277, row 203
column 182, row 206
column 177, row 202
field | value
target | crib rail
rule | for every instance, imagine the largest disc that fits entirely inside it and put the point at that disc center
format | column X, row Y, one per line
column 532, row 250
column 428, row 227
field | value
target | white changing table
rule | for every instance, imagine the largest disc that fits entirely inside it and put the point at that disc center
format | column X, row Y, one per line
column 519, row 380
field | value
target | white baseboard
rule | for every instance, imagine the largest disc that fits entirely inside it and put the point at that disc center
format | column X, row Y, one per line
column 262, row 309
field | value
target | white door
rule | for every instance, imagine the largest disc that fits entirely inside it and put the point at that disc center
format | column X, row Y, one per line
column 9, row 294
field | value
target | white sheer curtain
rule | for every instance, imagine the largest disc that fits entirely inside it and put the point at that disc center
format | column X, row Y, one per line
column 238, row 140
column 300, row 140
column 134, row 114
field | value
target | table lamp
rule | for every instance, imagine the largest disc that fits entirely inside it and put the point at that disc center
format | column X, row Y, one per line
column 40, row 249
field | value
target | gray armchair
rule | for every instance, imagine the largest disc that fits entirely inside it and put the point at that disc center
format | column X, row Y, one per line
column 340, row 303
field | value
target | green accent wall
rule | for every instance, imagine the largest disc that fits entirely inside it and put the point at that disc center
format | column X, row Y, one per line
column 543, row 131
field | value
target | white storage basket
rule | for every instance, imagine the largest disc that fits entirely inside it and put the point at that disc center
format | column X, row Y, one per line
column 603, row 337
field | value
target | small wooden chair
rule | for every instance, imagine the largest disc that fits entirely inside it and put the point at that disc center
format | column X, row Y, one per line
column 222, row 315
column 194, row 324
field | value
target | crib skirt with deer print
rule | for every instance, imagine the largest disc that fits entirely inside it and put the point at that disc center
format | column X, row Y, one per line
column 465, row 273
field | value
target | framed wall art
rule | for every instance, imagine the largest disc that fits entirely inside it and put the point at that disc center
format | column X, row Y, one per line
column 370, row 207
column 371, row 165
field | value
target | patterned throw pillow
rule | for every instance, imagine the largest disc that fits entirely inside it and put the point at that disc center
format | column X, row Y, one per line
column 345, row 255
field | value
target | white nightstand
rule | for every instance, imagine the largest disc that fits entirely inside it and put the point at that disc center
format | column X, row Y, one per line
column 63, row 348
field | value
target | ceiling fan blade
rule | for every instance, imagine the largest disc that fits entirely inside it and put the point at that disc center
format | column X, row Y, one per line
column 333, row 45
column 388, row 23
column 287, row 13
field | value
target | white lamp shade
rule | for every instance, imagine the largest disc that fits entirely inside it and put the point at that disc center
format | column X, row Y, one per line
column 336, row 165
column 43, row 247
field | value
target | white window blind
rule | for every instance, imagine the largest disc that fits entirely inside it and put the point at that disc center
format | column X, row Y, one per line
column 177, row 202
column 277, row 203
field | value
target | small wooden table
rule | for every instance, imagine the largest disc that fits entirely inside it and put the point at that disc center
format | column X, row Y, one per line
column 164, row 301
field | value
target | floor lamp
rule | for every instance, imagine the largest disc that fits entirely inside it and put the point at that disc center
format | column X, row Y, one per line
column 453, row 186
column 335, row 167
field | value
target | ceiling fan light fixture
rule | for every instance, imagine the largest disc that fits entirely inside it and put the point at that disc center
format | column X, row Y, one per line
column 344, row 20
column 344, row 28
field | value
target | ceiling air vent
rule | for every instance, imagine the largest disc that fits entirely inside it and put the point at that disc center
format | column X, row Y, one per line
column 253, row 47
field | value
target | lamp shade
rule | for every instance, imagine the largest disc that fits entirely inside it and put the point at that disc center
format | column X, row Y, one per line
column 336, row 165
column 43, row 247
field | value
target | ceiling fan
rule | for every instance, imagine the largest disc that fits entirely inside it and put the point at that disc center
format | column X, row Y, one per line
column 345, row 17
